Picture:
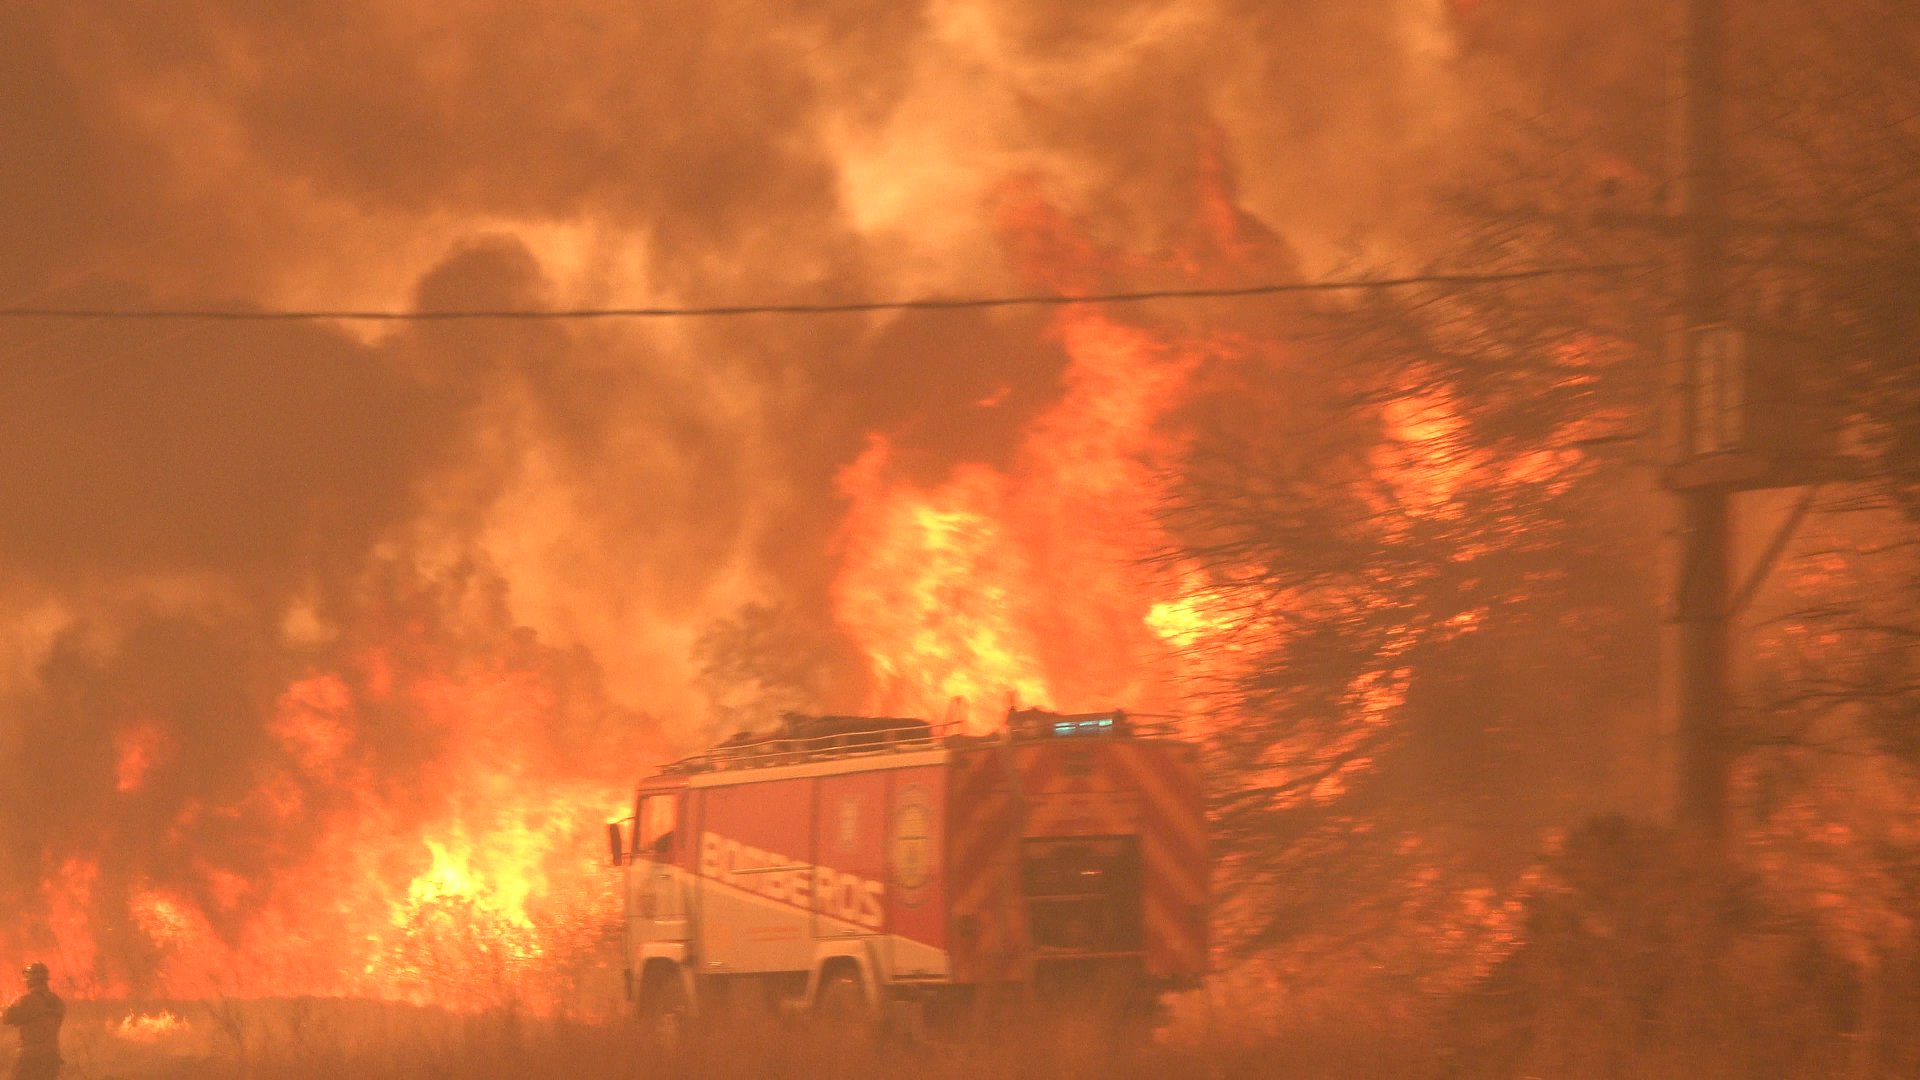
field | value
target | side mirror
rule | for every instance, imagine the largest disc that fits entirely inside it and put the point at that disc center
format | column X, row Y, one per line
column 614, row 843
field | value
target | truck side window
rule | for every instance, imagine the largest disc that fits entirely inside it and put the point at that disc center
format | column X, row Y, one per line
column 655, row 830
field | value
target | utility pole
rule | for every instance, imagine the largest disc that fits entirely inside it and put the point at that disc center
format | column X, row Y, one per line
column 1701, row 597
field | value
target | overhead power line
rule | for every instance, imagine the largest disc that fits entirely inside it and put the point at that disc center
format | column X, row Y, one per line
column 848, row 307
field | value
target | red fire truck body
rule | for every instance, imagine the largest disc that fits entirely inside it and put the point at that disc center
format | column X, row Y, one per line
column 891, row 867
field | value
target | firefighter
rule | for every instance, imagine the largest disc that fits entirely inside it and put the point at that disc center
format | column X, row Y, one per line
column 37, row 1013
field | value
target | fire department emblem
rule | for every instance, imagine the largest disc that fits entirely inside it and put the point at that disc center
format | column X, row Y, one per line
column 911, row 847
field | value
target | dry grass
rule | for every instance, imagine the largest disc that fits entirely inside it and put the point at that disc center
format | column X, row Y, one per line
column 338, row 1040
column 334, row 1040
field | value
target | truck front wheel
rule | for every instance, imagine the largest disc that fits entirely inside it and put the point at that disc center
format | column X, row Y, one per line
column 841, row 1007
column 663, row 1008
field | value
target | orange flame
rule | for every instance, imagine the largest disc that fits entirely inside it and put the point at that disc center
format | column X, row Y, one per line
column 150, row 1027
column 479, row 883
column 1022, row 584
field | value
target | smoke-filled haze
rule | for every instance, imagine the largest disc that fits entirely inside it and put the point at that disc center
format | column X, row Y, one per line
column 297, row 612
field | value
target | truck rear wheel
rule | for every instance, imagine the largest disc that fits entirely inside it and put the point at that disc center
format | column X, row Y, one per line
column 841, row 996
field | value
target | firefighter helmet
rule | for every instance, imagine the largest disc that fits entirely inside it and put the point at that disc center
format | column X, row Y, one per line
column 35, row 973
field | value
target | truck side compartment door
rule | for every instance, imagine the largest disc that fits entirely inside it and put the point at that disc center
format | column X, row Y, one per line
column 850, row 852
column 756, row 875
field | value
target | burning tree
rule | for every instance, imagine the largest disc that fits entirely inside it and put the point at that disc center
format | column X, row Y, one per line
column 1440, row 575
column 1418, row 579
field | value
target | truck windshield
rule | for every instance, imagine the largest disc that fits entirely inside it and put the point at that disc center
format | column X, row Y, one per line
column 654, row 831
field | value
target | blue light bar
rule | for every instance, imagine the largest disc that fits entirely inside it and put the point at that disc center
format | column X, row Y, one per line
column 1099, row 725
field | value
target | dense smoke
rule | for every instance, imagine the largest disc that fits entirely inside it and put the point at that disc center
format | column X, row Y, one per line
column 199, row 515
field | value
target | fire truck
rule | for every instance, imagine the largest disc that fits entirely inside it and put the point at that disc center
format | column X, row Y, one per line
column 883, row 872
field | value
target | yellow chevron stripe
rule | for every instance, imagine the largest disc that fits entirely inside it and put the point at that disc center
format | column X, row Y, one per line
column 1170, row 808
column 1163, row 865
column 1175, row 934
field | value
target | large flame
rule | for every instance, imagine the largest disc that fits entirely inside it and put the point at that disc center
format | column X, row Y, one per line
column 472, row 878
column 404, row 836
column 1024, row 585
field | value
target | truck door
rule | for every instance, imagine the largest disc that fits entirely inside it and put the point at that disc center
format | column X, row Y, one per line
column 656, row 884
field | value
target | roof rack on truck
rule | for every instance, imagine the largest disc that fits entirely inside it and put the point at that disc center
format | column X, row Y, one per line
column 800, row 737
